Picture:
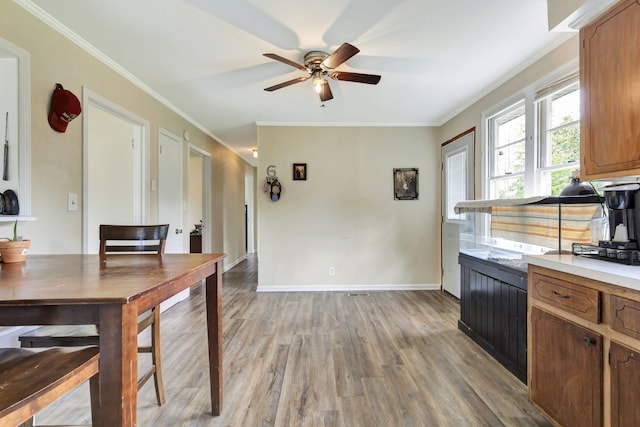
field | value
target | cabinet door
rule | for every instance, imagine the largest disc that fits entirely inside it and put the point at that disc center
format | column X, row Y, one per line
column 625, row 386
column 609, row 69
column 566, row 370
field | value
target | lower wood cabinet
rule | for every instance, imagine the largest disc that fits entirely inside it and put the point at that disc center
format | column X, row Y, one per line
column 584, row 349
column 566, row 370
column 625, row 385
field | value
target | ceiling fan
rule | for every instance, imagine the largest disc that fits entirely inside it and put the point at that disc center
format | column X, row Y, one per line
column 318, row 64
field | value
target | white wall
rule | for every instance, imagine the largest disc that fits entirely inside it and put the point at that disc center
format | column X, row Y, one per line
column 56, row 158
column 344, row 215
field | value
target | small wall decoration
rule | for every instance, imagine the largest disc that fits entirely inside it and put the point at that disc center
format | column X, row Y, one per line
column 271, row 185
column 405, row 183
column 299, row 171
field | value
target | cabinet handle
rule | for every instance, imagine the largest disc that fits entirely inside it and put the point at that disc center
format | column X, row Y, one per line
column 559, row 295
column 587, row 341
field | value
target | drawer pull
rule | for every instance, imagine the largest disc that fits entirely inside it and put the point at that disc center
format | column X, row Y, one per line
column 559, row 295
column 588, row 341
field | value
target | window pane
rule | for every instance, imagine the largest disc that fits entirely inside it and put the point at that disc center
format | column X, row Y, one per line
column 552, row 182
column 565, row 144
column 456, row 183
column 509, row 159
column 513, row 129
column 507, row 188
column 565, row 106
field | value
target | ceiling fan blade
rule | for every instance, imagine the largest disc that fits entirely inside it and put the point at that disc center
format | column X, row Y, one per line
column 287, row 83
column 340, row 55
column 371, row 79
column 325, row 92
column 285, row 60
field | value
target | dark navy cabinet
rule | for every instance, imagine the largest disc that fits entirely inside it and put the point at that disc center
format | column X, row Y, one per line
column 493, row 310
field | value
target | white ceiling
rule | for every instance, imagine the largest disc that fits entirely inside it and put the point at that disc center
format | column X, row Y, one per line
column 204, row 57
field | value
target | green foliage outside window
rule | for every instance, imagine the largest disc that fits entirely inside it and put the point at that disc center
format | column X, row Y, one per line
column 565, row 149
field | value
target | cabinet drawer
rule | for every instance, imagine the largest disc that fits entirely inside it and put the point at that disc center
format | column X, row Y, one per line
column 571, row 297
column 625, row 316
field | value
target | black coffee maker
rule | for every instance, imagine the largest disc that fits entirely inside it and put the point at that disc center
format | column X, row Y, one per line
column 623, row 210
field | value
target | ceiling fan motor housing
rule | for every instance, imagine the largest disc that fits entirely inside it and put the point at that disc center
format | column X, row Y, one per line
column 313, row 61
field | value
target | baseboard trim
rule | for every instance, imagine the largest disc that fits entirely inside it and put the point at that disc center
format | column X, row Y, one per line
column 347, row 288
column 233, row 264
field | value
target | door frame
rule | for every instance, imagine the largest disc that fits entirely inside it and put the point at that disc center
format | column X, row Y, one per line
column 142, row 164
column 206, row 193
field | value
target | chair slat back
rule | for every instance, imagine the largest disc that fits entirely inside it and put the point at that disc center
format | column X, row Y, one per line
column 132, row 239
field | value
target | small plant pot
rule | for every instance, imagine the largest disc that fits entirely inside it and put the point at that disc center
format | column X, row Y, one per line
column 11, row 251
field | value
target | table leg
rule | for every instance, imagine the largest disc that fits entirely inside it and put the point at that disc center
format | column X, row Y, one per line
column 214, row 331
column 118, row 365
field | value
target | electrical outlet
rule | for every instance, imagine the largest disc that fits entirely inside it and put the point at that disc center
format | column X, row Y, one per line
column 332, row 271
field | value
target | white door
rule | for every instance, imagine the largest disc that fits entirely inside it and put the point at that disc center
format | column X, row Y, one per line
column 170, row 203
column 112, row 149
column 115, row 164
column 457, row 185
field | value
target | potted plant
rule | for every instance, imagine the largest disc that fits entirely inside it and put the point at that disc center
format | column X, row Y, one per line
column 14, row 249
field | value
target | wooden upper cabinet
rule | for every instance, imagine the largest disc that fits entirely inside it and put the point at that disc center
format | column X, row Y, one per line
column 610, row 82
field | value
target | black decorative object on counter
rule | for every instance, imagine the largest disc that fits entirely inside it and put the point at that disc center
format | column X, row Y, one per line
column 9, row 203
column 578, row 188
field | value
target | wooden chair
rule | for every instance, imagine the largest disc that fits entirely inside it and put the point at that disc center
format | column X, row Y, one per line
column 31, row 380
column 116, row 239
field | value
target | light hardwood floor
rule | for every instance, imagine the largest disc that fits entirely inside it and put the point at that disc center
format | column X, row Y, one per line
column 325, row 359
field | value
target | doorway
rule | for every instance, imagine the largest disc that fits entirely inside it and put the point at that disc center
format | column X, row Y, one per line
column 249, row 221
column 170, row 200
column 115, row 164
column 457, row 185
column 200, row 194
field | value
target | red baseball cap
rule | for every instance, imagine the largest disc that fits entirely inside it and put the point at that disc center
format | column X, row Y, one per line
column 64, row 108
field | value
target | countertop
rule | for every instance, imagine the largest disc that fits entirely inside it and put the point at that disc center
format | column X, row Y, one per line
column 627, row 276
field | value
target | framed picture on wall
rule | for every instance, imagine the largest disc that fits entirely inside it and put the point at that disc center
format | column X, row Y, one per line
column 299, row 171
column 405, row 183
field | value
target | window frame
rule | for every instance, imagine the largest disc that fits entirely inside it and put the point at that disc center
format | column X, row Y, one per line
column 529, row 96
column 544, row 164
column 491, row 126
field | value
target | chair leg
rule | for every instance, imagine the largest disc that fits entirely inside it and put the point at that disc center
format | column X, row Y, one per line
column 94, row 391
column 155, row 355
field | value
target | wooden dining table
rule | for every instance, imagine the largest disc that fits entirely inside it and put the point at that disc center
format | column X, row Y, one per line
column 79, row 290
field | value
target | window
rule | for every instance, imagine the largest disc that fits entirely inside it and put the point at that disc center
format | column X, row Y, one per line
column 506, row 132
column 534, row 143
column 559, row 138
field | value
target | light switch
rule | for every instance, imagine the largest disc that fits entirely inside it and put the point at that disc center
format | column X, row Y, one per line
column 72, row 202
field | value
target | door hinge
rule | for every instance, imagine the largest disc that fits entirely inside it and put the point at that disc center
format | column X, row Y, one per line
column 133, row 143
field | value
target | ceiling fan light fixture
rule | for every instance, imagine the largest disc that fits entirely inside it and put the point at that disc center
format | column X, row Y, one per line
column 318, row 81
